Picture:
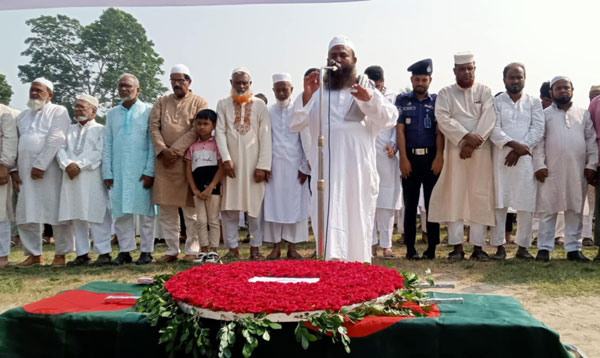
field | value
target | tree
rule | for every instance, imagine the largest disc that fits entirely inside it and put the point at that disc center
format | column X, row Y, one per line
column 89, row 59
column 5, row 91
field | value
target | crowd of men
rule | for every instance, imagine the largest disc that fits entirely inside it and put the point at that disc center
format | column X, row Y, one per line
column 471, row 158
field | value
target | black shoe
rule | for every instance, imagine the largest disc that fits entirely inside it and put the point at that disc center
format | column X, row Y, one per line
column 145, row 258
column 456, row 255
column 246, row 239
column 428, row 254
column 411, row 253
column 577, row 256
column 104, row 260
column 80, row 260
column 499, row 255
column 543, row 255
column 480, row 255
column 523, row 254
column 123, row 258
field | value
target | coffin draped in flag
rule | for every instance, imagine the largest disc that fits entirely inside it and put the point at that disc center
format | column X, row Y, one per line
column 36, row 4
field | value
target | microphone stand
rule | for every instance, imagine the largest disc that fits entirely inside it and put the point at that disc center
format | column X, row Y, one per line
column 321, row 180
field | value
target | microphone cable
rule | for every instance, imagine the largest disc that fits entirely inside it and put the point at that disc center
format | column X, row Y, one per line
column 328, row 183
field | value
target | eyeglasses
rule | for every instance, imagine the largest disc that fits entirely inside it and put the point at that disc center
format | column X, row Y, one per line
column 178, row 80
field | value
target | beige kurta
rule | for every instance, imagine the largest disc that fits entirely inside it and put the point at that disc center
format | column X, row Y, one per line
column 248, row 146
column 8, row 156
column 171, row 126
column 465, row 189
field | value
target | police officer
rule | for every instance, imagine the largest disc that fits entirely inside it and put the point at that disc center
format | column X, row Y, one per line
column 421, row 148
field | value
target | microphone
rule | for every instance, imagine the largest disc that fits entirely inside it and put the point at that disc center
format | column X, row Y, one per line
column 333, row 65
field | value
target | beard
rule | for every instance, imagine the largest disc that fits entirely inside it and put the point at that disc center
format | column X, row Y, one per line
column 465, row 83
column 516, row 89
column 420, row 90
column 562, row 100
column 81, row 118
column 130, row 97
column 344, row 77
column 35, row 104
column 242, row 97
column 284, row 103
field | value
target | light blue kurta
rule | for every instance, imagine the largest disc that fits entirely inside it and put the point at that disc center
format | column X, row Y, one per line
column 128, row 153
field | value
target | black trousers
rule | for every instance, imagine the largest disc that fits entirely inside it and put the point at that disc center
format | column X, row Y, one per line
column 421, row 173
column 510, row 220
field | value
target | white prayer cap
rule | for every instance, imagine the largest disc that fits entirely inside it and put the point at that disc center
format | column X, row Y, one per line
column 282, row 77
column 241, row 70
column 558, row 78
column 89, row 99
column 341, row 40
column 464, row 57
column 45, row 82
column 181, row 68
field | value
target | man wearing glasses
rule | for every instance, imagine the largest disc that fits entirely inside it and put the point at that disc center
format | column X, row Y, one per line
column 172, row 133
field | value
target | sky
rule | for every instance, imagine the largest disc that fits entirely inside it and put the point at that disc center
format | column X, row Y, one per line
column 550, row 37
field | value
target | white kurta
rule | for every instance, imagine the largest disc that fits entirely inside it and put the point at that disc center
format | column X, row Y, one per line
column 390, row 187
column 41, row 134
column 8, row 156
column 247, row 143
column 84, row 197
column 351, row 179
column 465, row 188
column 567, row 148
column 523, row 122
column 286, row 200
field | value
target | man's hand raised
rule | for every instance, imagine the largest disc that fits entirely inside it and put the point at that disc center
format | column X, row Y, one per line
column 360, row 93
column 311, row 85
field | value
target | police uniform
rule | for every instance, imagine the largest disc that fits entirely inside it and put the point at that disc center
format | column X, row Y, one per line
column 418, row 118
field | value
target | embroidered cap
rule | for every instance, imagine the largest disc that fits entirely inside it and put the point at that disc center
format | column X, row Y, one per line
column 241, row 70
column 282, row 77
column 558, row 78
column 181, row 68
column 341, row 40
column 45, row 82
column 464, row 57
column 89, row 99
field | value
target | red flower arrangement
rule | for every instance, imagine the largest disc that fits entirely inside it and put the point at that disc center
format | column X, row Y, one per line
column 227, row 287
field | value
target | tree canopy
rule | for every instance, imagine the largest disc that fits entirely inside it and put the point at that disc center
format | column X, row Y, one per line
column 5, row 91
column 89, row 59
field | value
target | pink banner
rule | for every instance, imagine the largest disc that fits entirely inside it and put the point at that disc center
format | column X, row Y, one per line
column 37, row 4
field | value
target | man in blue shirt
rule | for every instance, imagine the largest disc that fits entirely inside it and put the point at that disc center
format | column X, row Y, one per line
column 421, row 148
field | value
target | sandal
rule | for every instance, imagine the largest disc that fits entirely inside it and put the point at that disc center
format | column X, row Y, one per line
column 201, row 258
column 211, row 258
column 230, row 257
column 256, row 256
column 388, row 255
column 295, row 256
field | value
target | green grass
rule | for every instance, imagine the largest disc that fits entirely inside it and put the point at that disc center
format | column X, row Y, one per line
column 558, row 278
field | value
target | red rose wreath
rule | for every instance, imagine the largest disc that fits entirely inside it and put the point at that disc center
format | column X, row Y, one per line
column 227, row 287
